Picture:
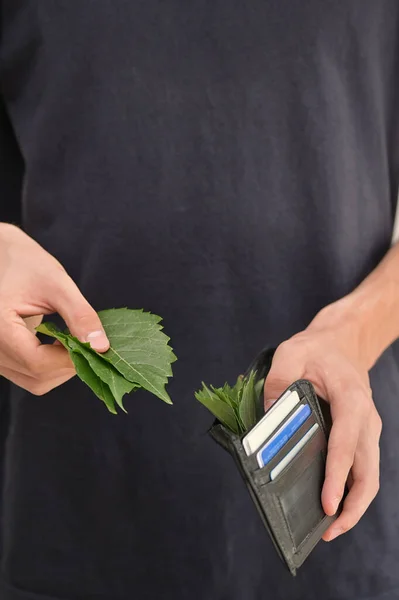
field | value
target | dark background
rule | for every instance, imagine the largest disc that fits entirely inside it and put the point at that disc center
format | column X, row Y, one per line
column 11, row 170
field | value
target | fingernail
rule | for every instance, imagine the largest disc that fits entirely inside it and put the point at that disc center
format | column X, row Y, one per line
column 97, row 340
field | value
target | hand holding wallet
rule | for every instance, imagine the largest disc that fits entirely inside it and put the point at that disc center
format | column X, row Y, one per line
column 284, row 469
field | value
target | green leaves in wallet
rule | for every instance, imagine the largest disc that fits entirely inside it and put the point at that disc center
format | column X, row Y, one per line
column 236, row 407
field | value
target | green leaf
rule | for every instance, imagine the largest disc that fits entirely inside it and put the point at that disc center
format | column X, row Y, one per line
column 118, row 385
column 87, row 375
column 139, row 349
column 82, row 366
column 259, row 385
column 139, row 356
column 225, row 395
column 239, row 384
column 52, row 330
column 248, row 404
column 231, row 394
column 260, row 407
column 218, row 407
column 242, row 401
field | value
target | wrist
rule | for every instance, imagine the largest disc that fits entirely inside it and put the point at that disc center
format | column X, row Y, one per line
column 376, row 304
column 366, row 321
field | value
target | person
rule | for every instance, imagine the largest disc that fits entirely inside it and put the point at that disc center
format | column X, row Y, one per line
column 234, row 168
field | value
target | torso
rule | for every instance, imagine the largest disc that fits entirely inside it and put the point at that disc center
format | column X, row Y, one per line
column 233, row 167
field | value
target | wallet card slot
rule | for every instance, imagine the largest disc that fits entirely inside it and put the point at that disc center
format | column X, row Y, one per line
column 252, row 459
column 262, row 475
column 301, row 461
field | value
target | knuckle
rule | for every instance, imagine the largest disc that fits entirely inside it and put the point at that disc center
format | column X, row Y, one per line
column 347, row 520
column 294, row 344
column 281, row 351
column 83, row 316
column 348, row 525
column 287, row 347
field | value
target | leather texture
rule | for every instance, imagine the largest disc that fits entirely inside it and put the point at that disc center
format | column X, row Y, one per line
column 290, row 505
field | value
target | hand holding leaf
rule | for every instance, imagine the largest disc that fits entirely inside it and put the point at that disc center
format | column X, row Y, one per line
column 139, row 356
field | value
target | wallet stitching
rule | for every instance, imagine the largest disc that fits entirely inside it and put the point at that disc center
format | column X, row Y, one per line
column 286, row 522
column 300, row 547
column 305, row 550
column 275, row 523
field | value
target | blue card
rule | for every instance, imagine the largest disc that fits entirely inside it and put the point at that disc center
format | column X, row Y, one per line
column 281, row 437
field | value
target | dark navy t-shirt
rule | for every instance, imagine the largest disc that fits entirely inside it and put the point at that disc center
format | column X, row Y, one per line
column 233, row 167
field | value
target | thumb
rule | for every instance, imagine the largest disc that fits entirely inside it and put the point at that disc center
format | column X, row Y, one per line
column 274, row 387
column 279, row 378
column 82, row 320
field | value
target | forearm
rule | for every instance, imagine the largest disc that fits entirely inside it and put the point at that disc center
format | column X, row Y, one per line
column 371, row 310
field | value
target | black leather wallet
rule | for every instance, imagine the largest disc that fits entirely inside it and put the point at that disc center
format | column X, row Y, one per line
column 290, row 504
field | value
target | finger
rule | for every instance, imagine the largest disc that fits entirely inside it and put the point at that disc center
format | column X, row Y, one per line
column 347, row 421
column 23, row 352
column 365, row 476
column 356, row 503
column 52, row 358
column 282, row 373
column 38, row 387
column 348, row 402
column 349, row 406
column 82, row 320
column 269, row 403
column 340, row 457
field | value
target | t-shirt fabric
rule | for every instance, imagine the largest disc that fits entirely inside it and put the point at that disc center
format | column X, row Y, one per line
column 233, row 167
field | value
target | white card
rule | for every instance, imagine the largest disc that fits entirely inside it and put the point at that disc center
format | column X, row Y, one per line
column 272, row 419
